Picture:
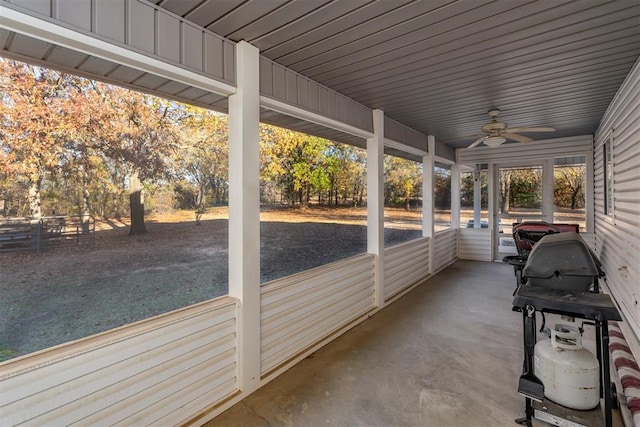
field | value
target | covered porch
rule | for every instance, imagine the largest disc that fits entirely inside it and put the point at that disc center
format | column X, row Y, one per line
column 447, row 354
column 428, row 322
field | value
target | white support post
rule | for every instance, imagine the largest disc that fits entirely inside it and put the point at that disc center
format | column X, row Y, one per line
column 494, row 215
column 428, row 163
column 547, row 190
column 244, row 213
column 455, row 196
column 477, row 197
column 375, row 202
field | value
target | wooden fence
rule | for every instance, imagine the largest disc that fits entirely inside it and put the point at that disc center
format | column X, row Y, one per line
column 26, row 234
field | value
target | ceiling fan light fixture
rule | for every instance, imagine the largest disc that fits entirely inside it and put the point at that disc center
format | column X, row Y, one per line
column 494, row 141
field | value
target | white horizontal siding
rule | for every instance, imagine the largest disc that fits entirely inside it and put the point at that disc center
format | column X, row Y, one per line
column 144, row 27
column 617, row 242
column 300, row 310
column 285, row 85
column 474, row 244
column 158, row 371
column 536, row 150
column 404, row 265
column 397, row 132
column 445, row 249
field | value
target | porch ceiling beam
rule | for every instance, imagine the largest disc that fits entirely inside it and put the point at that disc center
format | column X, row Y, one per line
column 319, row 119
column 14, row 20
column 404, row 147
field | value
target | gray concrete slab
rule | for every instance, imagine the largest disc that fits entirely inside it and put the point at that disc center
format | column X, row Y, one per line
column 447, row 354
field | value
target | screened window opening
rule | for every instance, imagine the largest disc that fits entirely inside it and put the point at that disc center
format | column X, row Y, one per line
column 402, row 200
column 442, row 196
column 474, row 199
column 313, row 202
column 569, row 183
column 117, row 201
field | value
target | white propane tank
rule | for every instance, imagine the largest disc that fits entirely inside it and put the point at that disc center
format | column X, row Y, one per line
column 569, row 372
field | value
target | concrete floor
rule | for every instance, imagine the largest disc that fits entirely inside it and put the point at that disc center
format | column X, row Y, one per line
column 447, row 354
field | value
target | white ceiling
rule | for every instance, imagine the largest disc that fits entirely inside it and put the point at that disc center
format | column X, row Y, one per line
column 434, row 65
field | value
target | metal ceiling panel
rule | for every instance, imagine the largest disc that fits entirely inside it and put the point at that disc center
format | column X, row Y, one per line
column 321, row 34
column 179, row 7
column 97, row 66
column 436, row 66
column 275, row 43
column 27, row 46
column 66, row 57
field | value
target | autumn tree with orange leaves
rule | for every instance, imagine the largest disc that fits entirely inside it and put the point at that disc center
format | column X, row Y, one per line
column 81, row 136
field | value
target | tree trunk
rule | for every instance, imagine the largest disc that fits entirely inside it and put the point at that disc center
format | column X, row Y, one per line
column 200, row 202
column 574, row 199
column 136, row 203
column 84, row 208
column 35, row 204
column 505, row 184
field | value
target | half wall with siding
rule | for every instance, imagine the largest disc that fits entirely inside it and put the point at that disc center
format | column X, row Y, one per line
column 474, row 244
column 404, row 265
column 445, row 249
column 156, row 371
column 301, row 310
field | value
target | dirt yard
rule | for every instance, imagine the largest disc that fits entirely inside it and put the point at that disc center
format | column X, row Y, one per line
column 64, row 294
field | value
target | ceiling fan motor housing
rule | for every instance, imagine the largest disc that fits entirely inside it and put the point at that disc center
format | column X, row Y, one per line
column 494, row 127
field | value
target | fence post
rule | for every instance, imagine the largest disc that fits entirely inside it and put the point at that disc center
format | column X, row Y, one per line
column 38, row 234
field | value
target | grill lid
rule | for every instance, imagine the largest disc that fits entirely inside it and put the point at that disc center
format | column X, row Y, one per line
column 565, row 254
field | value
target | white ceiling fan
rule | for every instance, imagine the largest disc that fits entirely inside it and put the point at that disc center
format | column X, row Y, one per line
column 496, row 133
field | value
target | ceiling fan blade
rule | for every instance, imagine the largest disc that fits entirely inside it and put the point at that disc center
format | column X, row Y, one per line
column 531, row 129
column 477, row 141
column 516, row 137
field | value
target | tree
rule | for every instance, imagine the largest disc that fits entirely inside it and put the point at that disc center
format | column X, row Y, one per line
column 569, row 186
column 505, row 191
column 36, row 120
column 81, row 140
column 204, row 156
column 295, row 161
column 142, row 138
column 403, row 179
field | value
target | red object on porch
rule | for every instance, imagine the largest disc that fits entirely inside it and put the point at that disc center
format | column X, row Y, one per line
column 527, row 234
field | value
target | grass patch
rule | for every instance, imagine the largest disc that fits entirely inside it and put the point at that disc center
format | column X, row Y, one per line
column 6, row 353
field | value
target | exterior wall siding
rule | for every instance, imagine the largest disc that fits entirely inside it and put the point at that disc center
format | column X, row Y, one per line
column 396, row 131
column 444, row 151
column 282, row 84
column 445, row 249
column 156, row 371
column 300, row 310
column 404, row 265
column 474, row 244
column 130, row 23
column 617, row 240
column 538, row 150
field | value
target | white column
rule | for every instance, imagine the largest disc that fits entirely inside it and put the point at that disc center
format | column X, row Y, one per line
column 493, row 208
column 244, row 213
column 375, row 202
column 455, row 196
column 477, row 197
column 428, row 164
column 547, row 190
